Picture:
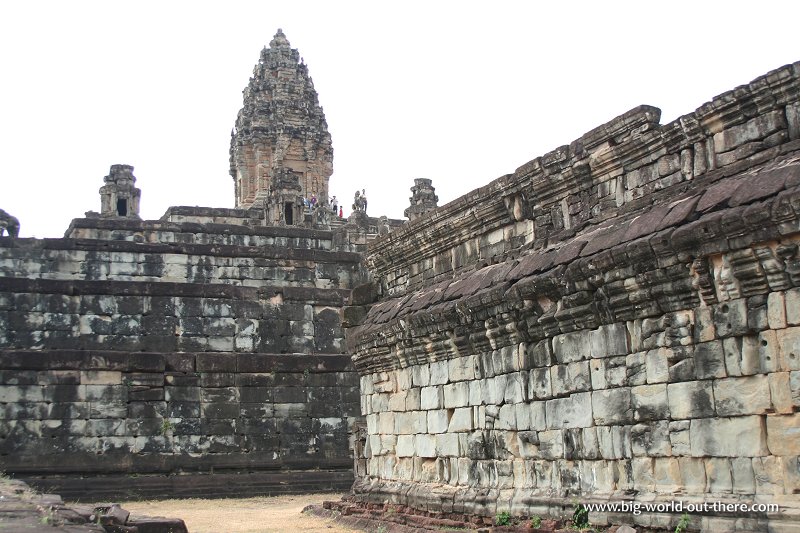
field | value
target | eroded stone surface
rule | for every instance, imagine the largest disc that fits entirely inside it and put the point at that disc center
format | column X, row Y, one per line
column 625, row 306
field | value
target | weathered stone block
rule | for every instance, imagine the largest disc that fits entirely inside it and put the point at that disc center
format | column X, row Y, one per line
column 679, row 437
column 657, row 365
column 461, row 368
column 551, row 444
column 650, row 402
column 570, row 347
column 507, row 417
column 447, row 445
column 539, row 384
column 718, row 475
column 569, row 378
column 614, row 442
column 456, row 394
column 693, row 474
column 431, row 397
column 420, row 375
column 530, row 416
column 709, row 360
column 743, row 479
column 743, row 436
column 667, row 475
column 494, row 389
column 410, row 422
column 768, row 475
column 789, row 355
column 439, row 372
column 730, row 318
column 635, row 370
column 516, row 387
column 574, row 411
column 776, row 310
column 783, row 434
column 612, row 406
column 780, row 392
column 610, row 340
column 651, row 439
column 754, row 129
column 461, row 420
column 541, row 353
column 438, row 421
column 405, row 446
column 397, row 401
column 691, row 399
column 425, row 446
column 413, row 399
column 386, row 422
column 742, row 396
column 476, row 392
column 792, row 306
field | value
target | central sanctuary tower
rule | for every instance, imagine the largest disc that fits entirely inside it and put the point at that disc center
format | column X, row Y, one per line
column 280, row 143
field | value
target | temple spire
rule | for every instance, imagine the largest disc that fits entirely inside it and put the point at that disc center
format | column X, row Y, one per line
column 280, row 130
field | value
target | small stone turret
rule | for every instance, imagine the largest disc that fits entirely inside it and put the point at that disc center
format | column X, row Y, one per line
column 284, row 206
column 119, row 197
column 280, row 127
column 423, row 199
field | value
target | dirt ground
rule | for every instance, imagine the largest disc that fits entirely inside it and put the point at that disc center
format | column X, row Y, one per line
column 243, row 515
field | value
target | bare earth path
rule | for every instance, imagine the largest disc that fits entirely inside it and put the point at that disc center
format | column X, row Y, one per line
column 243, row 515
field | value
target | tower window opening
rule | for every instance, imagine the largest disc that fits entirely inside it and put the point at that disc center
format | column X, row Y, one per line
column 122, row 207
column 287, row 212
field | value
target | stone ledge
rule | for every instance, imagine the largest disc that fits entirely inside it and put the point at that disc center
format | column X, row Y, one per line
column 216, row 485
column 180, row 362
column 311, row 295
column 214, row 250
column 648, row 246
column 193, row 227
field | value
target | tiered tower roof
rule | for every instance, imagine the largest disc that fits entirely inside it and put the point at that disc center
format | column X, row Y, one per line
column 281, row 127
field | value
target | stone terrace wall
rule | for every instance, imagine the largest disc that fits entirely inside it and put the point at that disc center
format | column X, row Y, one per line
column 194, row 349
column 617, row 320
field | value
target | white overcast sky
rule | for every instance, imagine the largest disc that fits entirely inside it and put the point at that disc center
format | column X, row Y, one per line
column 459, row 92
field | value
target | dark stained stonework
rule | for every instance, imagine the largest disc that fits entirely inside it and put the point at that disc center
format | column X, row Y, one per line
column 202, row 352
column 618, row 319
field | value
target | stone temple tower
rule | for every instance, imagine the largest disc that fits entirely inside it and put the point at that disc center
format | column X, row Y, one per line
column 119, row 197
column 280, row 131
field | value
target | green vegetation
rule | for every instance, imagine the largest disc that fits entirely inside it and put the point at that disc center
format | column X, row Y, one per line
column 580, row 517
column 166, row 426
column 536, row 522
column 683, row 523
column 502, row 519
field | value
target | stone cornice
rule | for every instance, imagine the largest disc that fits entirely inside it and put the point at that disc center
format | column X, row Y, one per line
column 559, row 192
column 646, row 263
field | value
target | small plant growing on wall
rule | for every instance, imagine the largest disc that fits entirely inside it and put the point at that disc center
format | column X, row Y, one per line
column 502, row 519
column 683, row 523
column 166, row 427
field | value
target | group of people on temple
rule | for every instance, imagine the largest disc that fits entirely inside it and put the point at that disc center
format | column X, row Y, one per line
column 359, row 203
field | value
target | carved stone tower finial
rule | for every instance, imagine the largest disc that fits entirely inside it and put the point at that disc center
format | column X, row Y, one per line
column 280, row 127
column 119, row 197
column 423, row 199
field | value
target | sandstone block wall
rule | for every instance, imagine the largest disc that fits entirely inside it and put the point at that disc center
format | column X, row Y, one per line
column 132, row 352
column 618, row 320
